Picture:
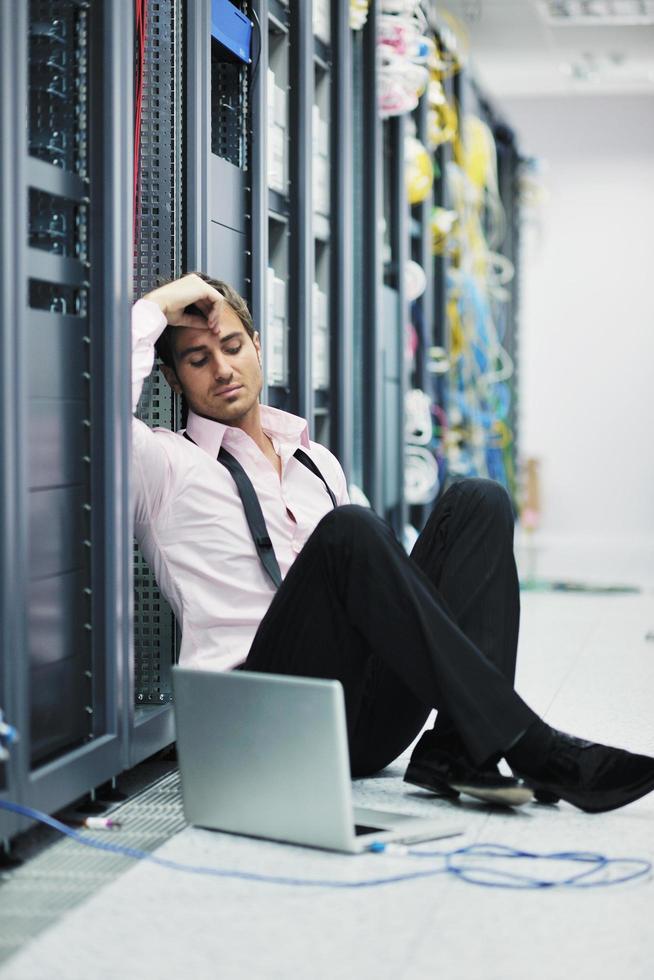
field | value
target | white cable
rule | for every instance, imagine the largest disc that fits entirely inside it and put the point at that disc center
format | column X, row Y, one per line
column 418, row 424
column 403, row 52
column 415, row 280
column 421, row 483
column 507, row 367
column 358, row 13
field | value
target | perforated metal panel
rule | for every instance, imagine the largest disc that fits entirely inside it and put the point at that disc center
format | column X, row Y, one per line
column 74, row 873
column 158, row 256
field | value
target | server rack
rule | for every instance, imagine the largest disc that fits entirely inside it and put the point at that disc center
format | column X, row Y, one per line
column 342, row 236
column 367, row 379
column 509, row 163
column 424, row 314
column 13, row 228
column 471, row 99
column 395, row 317
column 429, row 313
column 321, row 205
column 66, row 258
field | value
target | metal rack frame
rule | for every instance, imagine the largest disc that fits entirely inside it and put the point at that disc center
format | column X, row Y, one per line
column 71, row 773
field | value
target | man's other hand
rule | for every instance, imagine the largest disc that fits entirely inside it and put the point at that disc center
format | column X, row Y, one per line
column 174, row 299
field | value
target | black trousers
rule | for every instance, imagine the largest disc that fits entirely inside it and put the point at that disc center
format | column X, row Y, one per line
column 403, row 635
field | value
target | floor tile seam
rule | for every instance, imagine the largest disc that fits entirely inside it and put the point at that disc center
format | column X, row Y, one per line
column 569, row 674
column 581, row 655
column 481, row 829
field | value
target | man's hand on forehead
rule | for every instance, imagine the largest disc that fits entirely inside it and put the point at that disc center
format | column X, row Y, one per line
column 189, row 302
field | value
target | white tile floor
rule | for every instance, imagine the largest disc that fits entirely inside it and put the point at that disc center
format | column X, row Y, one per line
column 585, row 663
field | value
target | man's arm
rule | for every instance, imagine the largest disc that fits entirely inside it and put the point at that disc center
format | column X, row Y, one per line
column 148, row 323
column 152, row 471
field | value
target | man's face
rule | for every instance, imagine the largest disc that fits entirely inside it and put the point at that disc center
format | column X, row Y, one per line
column 220, row 374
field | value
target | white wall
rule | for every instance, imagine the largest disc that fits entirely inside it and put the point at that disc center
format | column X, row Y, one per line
column 587, row 324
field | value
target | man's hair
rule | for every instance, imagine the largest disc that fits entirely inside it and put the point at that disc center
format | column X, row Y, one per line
column 165, row 344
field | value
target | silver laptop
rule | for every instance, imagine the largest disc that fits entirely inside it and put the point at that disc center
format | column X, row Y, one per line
column 267, row 756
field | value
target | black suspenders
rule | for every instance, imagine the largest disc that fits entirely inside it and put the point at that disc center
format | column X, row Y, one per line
column 252, row 507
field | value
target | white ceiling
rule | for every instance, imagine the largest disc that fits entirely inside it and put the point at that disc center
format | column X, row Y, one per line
column 515, row 50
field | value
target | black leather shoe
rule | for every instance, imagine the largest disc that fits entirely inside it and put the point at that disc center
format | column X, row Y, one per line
column 447, row 774
column 592, row 777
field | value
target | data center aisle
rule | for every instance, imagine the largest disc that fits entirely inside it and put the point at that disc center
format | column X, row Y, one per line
column 585, row 661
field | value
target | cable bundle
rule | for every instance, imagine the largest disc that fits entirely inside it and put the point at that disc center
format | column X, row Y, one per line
column 404, row 50
column 358, row 13
column 419, row 170
column 421, row 474
column 442, row 120
column 479, row 440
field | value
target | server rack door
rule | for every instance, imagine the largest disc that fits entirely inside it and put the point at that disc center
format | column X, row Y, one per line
column 70, row 517
column 13, row 224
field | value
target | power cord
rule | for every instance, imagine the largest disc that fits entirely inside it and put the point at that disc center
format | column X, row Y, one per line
column 453, row 863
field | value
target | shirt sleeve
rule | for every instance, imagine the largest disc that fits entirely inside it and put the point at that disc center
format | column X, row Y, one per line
column 148, row 323
column 152, row 474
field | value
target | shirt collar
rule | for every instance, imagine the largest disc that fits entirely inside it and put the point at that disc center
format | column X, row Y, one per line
column 282, row 426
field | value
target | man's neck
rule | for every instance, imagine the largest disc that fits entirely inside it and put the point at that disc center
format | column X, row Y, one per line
column 251, row 425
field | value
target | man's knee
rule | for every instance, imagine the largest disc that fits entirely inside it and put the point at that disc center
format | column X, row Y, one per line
column 351, row 520
column 490, row 491
column 488, row 495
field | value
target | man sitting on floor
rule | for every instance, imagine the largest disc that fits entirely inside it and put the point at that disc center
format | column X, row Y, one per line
column 248, row 528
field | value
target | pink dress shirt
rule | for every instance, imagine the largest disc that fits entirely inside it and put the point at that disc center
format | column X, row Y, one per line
column 190, row 522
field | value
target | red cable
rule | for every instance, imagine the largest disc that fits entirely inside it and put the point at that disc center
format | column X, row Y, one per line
column 140, row 24
column 138, row 109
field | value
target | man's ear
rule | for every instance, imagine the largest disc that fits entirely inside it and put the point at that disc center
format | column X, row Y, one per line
column 171, row 377
column 257, row 344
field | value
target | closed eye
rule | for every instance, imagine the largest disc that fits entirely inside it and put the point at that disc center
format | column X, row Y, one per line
column 203, row 360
